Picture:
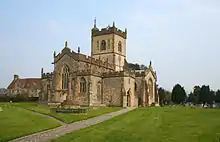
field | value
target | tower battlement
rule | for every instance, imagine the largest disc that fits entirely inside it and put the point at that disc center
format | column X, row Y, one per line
column 119, row 74
column 47, row 75
column 109, row 30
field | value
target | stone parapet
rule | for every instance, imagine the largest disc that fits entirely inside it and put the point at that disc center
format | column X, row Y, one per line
column 140, row 74
column 47, row 75
column 109, row 30
column 119, row 74
column 84, row 58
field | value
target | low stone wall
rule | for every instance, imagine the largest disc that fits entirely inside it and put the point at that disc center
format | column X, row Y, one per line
column 63, row 110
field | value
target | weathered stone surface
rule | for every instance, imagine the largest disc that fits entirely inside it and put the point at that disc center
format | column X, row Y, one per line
column 99, row 80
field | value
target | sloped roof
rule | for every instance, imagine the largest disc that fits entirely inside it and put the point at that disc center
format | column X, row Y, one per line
column 25, row 83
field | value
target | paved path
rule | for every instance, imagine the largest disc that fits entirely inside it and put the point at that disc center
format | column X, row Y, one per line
column 60, row 131
column 45, row 115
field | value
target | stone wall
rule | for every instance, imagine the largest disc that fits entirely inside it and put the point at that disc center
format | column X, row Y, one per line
column 129, row 85
column 80, row 98
column 96, row 91
column 112, row 91
column 139, row 90
column 45, row 87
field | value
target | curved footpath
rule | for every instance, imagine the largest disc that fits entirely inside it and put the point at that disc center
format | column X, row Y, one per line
column 68, row 128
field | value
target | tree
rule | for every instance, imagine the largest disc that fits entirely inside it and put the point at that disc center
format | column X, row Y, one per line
column 196, row 93
column 136, row 66
column 165, row 96
column 143, row 67
column 161, row 93
column 217, row 96
column 205, row 96
column 178, row 94
column 191, row 98
column 167, row 99
column 211, row 97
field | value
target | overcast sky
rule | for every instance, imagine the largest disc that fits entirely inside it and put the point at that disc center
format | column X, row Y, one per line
column 180, row 37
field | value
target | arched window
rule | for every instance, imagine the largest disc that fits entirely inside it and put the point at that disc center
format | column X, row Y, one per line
column 150, row 84
column 119, row 46
column 82, row 85
column 103, row 45
column 65, row 76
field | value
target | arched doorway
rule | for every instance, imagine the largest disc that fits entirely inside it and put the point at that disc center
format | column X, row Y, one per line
column 128, row 98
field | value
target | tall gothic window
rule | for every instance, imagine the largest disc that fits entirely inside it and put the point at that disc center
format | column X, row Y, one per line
column 97, row 45
column 108, row 43
column 150, row 84
column 82, row 85
column 119, row 46
column 103, row 45
column 65, row 76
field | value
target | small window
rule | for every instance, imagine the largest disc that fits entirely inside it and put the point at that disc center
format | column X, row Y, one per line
column 119, row 46
column 83, row 85
column 108, row 43
column 97, row 44
column 103, row 45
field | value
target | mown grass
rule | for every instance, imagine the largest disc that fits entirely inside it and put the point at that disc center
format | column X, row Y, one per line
column 16, row 122
column 67, row 118
column 167, row 124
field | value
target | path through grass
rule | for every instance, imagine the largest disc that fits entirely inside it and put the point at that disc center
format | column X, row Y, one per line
column 16, row 122
column 174, row 124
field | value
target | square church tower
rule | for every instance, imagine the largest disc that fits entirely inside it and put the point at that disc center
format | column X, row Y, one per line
column 109, row 45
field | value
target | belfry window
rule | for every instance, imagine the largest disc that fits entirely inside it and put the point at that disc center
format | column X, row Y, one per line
column 82, row 85
column 103, row 45
column 119, row 46
column 97, row 45
column 65, row 77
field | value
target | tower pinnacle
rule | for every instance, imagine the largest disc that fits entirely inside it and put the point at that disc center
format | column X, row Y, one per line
column 95, row 22
column 66, row 44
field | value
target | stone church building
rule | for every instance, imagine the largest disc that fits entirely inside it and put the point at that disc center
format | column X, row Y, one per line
column 102, row 79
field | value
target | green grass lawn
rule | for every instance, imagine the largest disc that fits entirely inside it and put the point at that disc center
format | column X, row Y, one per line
column 16, row 122
column 67, row 118
column 174, row 124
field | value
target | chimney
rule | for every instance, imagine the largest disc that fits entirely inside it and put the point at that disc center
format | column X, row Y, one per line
column 16, row 77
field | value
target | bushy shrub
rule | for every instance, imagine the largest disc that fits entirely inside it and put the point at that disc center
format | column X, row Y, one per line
column 18, row 98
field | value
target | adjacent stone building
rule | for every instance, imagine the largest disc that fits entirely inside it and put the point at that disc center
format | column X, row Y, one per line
column 102, row 79
column 30, row 87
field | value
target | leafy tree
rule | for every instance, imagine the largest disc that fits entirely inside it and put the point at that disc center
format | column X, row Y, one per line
column 196, row 93
column 178, row 94
column 143, row 67
column 211, row 97
column 167, row 99
column 165, row 96
column 136, row 66
column 161, row 93
column 205, row 96
column 217, row 96
column 191, row 98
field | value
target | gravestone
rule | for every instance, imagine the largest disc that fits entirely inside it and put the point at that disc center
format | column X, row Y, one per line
column 1, row 109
